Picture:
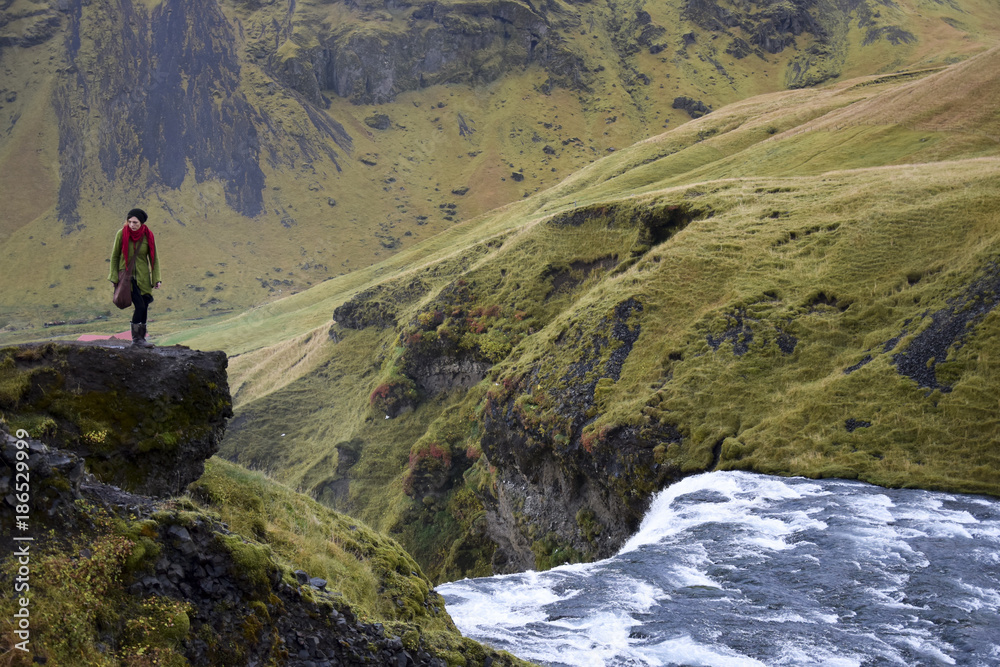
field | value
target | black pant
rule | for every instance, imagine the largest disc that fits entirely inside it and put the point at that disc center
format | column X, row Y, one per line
column 141, row 302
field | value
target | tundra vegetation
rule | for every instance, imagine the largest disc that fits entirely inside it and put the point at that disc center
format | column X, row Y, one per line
column 526, row 312
column 801, row 283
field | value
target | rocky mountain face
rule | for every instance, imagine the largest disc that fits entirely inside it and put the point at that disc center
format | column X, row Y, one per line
column 410, row 45
column 470, row 43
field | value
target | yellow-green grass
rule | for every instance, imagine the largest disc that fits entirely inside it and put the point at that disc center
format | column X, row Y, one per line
column 418, row 161
column 833, row 234
column 370, row 570
column 82, row 610
column 934, row 226
column 375, row 576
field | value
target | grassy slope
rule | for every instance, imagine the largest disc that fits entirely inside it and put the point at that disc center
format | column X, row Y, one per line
column 830, row 222
column 219, row 263
column 80, row 605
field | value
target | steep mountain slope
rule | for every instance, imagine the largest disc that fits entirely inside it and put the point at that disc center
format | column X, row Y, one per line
column 794, row 284
column 277, row 145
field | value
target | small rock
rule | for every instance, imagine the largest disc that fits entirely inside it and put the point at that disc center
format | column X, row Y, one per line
column 379, row 121
column 694, row 108
column 180, row 532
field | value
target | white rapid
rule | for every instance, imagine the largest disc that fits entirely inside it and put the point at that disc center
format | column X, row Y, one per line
column 734, row 569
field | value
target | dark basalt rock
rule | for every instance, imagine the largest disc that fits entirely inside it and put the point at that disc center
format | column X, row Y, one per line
column 948, row 330
column 53, row 483
column 544, row 485
column 434, row 375
column 853, row 424
column 694, row 108
column 144, row 419
column 378, row 121
column 458, row 43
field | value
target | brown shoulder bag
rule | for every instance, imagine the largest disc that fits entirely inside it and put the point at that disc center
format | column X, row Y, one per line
column 122, row 296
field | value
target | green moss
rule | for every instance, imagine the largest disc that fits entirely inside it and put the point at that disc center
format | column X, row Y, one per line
column 39, row 427
column 80, row 607
column 588, row 524
column 253, row 562
column 144, row 554
column 551, row 551
column 13, row 382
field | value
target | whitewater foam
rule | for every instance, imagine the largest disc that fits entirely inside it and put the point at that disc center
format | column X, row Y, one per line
column 740, row 569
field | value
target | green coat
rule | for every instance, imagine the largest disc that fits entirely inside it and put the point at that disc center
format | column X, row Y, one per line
column 145, row 275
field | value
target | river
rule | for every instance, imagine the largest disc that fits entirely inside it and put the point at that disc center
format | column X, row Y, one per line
column 738, row 569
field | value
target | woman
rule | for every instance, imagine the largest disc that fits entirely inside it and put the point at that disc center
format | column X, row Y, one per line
column 135, row 242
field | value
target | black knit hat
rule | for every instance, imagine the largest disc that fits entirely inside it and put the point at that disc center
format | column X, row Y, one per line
column 138, row 213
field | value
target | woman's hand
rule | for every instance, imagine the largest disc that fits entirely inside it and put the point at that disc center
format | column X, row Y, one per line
column 157, row 285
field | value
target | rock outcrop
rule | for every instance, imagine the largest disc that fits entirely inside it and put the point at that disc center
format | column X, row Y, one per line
column 467, row 42
column 563, row 492
column 142, row 419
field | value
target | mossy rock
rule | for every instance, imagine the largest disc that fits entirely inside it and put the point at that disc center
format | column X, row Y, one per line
column 143, row 419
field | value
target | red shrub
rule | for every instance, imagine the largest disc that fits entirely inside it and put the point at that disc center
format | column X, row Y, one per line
column 383, row 391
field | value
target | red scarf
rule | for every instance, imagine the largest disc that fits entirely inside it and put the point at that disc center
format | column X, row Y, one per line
column 136, row 237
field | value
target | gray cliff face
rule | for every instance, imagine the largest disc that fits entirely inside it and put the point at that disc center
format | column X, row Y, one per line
column 470, row 43
column 585, row 493
column 163, row 90
column 149, row 97
column 552, row 500
column 543, row 509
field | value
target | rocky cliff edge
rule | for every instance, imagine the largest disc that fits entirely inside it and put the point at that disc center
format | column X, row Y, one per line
column 142, row 419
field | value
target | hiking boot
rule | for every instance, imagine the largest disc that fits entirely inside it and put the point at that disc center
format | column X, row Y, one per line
column 139, row 335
